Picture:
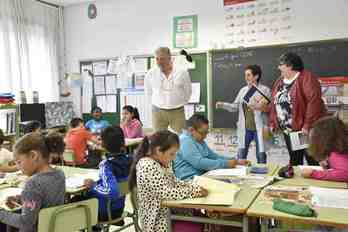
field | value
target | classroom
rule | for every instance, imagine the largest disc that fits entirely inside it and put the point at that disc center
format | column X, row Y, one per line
column 215, row 115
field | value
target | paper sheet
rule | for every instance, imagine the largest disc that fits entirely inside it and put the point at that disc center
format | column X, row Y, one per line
column 77, row 180
column 112, row 67
column 87, row 91
column 140, row 65
column 298, row 140
column 101, row 102
column 189, row 111
column 330, row 198
column 99, row 85
column 220, row 193
column 110, row 85
column 111, row 104
column 196, row 93
column 8, row 192
column 237, row 171
column 99, row 68
column 319, row 168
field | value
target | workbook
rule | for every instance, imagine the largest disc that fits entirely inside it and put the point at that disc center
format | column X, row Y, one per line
column 254, row 95
column 219, row 192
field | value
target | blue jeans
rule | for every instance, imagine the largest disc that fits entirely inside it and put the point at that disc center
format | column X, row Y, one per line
column 243, row 152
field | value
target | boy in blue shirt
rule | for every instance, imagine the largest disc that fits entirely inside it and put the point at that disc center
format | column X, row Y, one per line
column 96, row 125
column 194, row 157
column 113, row 170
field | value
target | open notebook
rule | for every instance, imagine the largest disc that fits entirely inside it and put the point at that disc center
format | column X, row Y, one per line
column 220, row 193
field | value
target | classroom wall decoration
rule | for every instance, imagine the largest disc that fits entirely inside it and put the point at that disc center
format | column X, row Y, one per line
column 58, row 113
column 185, row 31
column 252, row 21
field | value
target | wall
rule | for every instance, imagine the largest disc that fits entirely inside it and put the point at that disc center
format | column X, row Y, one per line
column 124, row 27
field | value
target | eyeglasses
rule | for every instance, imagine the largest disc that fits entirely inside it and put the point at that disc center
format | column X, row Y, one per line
column 203, row 131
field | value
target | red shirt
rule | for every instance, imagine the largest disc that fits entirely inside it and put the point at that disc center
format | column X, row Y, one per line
column 76, row 139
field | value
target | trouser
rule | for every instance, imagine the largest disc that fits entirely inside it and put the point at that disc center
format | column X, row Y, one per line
column 296, row 157
column 162, row 118
column 251, row 135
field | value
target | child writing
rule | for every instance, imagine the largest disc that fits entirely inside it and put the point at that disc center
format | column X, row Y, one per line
column 329, row 146
column 151, row 174
column 6, row 157
column 112, row 170
column 45, row 188
column 77, row 139
column 131, row 124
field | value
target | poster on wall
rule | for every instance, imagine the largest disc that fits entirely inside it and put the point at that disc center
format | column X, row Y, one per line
column 251, row 22
column 185, row 31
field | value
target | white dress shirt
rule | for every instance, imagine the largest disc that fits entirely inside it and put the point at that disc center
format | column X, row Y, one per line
column 168, row 93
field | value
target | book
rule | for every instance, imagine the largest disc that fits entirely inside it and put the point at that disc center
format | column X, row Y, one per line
column 254, row 94
column 299, row 140
column 219, row 192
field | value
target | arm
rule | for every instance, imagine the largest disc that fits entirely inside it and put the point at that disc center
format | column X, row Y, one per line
column 171, row 191
column 187, row 86
column 192, row 155
column 312, row 92
column 8, row 168
column 27, row 219
column 107, row 186
column 231, row 107
column 135, row 130
column 330, row 174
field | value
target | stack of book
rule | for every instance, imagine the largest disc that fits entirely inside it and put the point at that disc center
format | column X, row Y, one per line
column 7, row 99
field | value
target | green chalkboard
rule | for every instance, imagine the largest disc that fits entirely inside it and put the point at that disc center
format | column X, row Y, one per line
column 199, row 74
column 324, row 58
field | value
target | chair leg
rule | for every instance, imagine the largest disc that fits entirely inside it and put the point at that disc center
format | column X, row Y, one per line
column 136, row 223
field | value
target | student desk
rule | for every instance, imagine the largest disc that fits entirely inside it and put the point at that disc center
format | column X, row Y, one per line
column 132, row 144
column 83, row 172
column 262, row 207
column 298, row 180
column 242, row 202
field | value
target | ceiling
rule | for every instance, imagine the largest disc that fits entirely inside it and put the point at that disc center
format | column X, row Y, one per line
column 67, row 2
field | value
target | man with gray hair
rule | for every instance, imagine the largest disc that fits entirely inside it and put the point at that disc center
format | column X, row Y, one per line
column 169, row 89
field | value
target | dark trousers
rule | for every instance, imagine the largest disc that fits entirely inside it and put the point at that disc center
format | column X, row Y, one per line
column 296, row 157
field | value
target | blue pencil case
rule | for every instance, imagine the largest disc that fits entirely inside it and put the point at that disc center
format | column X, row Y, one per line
column 259, row 170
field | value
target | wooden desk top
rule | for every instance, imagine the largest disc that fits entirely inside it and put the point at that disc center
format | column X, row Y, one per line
column 262, row 207
column 298, row 180
column 242, row 202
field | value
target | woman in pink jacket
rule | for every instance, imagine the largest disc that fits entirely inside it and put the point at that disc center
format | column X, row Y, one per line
column 329, row 146
column 130, row 123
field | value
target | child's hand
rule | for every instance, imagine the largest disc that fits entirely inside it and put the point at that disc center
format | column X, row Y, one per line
column 88, row 183
column 219, row 105
column 232, row 163
column 306, row 172
column 204, row 192
column 244, row 162
column 13, row 202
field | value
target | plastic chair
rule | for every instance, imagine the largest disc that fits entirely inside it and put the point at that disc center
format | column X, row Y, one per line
column 69, row 217
column 69, row 157
column 124, row 190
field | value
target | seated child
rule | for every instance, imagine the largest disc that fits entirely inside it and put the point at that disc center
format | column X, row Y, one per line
column 130, row 123
column 33, row 126
column 45, row 188
column 151, row 174
column 77, row 139
column 194, row 157
column 111, row 171
column 6, row 157
column 97, row 124
column 328, row 144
